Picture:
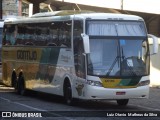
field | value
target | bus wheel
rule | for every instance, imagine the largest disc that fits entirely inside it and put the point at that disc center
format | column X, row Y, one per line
column 122, row 102
column 68, row 94
column 14, row 80
column 21, row 86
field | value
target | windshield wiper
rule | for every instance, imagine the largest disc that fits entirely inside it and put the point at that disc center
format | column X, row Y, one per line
column 114, row 62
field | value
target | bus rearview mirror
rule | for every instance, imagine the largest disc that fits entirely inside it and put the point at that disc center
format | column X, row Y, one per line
column 86, row 43
column 154, row 41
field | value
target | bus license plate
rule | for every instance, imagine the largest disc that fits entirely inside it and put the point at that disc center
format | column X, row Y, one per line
column 120, row 93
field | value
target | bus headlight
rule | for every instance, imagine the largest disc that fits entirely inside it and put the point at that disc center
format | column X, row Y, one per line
column 94, row 83
column 143, row 83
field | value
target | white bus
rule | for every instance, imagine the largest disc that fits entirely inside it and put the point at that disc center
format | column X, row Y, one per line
column 78, row 55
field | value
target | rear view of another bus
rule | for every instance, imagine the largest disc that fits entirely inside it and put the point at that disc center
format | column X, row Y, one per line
column 1, row 31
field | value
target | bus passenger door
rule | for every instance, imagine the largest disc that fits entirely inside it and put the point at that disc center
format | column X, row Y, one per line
column 79, row 60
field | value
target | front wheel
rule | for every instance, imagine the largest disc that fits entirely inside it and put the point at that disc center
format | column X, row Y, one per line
column 123, row 102
column 68, row 94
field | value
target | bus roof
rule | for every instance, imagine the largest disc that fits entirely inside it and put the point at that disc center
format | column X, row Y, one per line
column 70, row 14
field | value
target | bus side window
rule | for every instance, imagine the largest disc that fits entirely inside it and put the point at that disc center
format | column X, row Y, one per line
column 29, row 34
column 26, row 36
column 20, row 39
column 4, row 35
column 9, row 35
column 54, row 32
column 32, row 33
column 19, row 35
column 42, row 33
column 38, row 36
column 65, row 34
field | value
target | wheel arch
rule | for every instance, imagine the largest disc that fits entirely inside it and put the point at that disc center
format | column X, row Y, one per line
column 67, row 80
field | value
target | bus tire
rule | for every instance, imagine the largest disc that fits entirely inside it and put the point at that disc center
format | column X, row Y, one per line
column 68, row 93
column 122, row 102
column 14, row 80
column 21, row 86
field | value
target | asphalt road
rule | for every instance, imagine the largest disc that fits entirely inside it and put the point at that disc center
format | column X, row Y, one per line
column 49, row 107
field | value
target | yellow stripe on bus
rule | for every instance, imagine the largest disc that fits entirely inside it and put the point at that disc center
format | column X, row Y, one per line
column 113, row 83
column 110, row 83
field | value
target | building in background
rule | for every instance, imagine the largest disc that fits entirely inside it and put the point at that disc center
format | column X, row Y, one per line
column 14, row 8
column 10, row 8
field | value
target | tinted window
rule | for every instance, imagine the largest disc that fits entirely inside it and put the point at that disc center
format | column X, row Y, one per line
column 39, row 34
column 9, row 35
column 61, row 33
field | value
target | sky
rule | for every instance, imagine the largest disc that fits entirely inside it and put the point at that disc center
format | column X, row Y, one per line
column 148, row 6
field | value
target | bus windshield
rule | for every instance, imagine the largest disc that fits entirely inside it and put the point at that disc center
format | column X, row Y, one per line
column 116, row 55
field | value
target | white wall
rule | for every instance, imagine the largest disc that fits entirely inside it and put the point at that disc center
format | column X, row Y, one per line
column 155, row 69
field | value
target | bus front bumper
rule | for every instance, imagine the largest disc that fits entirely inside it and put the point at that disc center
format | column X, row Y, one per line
column 93, row 92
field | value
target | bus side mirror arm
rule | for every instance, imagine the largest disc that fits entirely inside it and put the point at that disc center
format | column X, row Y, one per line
column 155, row 43
column 86, row 43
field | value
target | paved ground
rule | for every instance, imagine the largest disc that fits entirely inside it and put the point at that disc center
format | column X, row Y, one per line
column 152, row 103
column 54, row 106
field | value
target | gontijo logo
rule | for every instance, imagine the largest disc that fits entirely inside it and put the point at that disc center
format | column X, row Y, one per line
column 26, row 55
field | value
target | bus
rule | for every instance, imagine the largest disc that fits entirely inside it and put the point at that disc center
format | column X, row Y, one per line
column 78, row 55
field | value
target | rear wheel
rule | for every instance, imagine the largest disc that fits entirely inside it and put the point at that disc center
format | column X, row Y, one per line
column 123, row 102
column 21, row 86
